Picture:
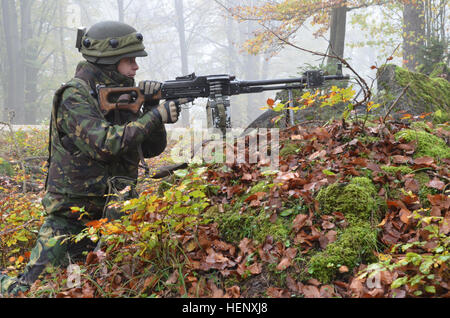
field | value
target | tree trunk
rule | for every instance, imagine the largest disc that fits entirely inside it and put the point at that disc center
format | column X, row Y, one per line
column 337, row 33
column 15, row 66
column 413, row 34
column 29, row 62
column 62, row 21
column 183, row 52
column 120, row 10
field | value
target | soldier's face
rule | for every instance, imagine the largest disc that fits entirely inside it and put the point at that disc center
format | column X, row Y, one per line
column 128, row 67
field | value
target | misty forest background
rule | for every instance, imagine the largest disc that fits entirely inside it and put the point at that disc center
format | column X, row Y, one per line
column 211, row 37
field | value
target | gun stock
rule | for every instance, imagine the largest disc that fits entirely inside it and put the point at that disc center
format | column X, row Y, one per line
column 113, row 98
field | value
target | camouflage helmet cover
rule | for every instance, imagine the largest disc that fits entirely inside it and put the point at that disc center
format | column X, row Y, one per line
column 109, row 41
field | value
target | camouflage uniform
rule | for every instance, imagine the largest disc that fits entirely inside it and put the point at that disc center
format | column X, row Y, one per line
column 90, row 155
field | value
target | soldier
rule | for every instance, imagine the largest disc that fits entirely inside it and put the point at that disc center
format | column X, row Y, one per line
column 92, row 154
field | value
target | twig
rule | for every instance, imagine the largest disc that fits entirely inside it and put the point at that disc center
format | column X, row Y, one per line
column 395, row 102
column 18, row 227
column 362, row 82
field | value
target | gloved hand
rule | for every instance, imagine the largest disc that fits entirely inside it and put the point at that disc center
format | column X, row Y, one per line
column 149, row 89
column 169, row 111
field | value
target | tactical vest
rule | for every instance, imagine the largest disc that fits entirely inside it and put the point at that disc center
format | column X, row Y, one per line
column 70, row 171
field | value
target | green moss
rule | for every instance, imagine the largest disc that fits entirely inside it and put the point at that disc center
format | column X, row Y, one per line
column 429, row 91
column 367, row 140
column 427, row 144
column 420, row 125
column 424, row 191
column 255, row 225
column 395, row 170
column 6, row 168
column 422, row 178
column 289, row 149
column 354, row 246
column 439, row 68
column 356, row 199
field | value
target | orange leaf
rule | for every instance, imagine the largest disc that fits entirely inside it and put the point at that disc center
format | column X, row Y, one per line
column 405, row 215
column 270, row 102
column 96, row 223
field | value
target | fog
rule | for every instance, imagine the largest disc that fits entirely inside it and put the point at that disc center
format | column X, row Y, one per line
column 213, row 45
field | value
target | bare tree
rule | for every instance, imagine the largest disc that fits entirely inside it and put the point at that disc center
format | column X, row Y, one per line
column 179, row 10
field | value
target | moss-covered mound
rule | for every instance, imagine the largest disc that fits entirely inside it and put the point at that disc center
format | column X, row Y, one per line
column 427, row 144
column 357, row 200
column 425, row 94
column 355, row 245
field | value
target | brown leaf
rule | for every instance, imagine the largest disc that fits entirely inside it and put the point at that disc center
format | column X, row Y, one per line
column 292, row 285
column 327, row 225
column 400, row 159
column 150, row 282
column 275, row 292
column 255, row 268
column 424, row 161
column 88, row 291
column 233, row 292
column 327, row 291
column 91, row 258
column 311, row 291
column 331, row 236
column 444, row 228
column 343, row 269
column 317, row 154
column 357, row 287
column 284, row 263
column 412, row 185
column 405, row 215
column 436, row 184
column 375, row 293
column 172, row 278
column 299, row 221
column 386, row 277
column 216, row 292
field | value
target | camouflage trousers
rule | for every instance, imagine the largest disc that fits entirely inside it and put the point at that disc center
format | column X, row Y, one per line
column 54, row 245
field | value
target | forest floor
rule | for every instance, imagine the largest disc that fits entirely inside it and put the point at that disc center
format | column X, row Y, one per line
column 353, row 210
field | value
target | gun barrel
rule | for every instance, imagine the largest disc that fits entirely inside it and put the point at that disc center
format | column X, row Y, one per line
column 302, row 79
column 272, row 81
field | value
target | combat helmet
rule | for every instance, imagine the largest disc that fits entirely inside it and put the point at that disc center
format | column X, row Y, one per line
column 108, row 42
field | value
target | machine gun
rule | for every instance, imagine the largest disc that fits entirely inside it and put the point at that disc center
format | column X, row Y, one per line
column 217, row 88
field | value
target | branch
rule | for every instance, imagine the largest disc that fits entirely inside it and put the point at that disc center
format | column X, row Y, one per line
column 365, row 87
column 395, row 102
column 18, row 227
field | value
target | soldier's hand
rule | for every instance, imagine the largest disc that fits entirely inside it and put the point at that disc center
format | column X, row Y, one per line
column 169, row 111
column 149, row 88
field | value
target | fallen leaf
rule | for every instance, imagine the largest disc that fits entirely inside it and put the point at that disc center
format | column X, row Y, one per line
column 284, row 263
column 343, row 269
column 424, row 161
column 311, row 291
column 400, row 159
column 299, row 221
column 405, row 215
column 317, row 154
column 436, row 184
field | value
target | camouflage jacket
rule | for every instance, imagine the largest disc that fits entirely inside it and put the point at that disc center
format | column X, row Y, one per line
column 86, row 148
